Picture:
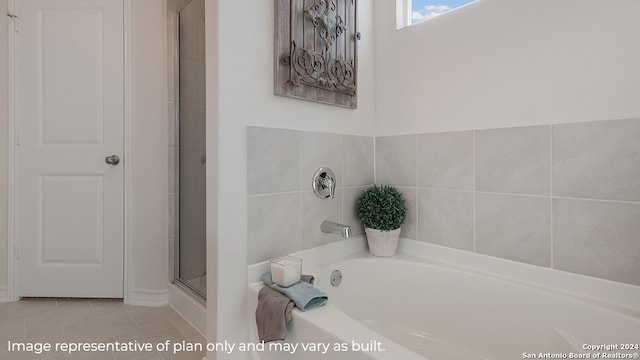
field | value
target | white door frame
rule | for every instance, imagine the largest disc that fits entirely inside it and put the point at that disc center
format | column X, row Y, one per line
column 14, row 162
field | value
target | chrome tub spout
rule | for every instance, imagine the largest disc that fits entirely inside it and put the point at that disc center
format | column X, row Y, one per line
column 331, row 227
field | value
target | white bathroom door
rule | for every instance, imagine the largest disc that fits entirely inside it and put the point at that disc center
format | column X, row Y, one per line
column 70, row 108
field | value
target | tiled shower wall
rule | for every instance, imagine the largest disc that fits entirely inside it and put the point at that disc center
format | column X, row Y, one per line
column 562, row 196
column 284, row 215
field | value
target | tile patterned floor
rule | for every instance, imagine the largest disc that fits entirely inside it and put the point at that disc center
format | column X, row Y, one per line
column 93, row 321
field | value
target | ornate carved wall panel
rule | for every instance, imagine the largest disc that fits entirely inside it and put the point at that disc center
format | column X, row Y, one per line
column 316, row 50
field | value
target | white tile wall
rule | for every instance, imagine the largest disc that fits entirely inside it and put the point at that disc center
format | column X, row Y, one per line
column 273, row 160
column 597, row 160
column 314, row 211
column 284, row 214
column 350, row 196
column 514, row 227
column 319, row 150
column 357, row 162
column 409, row 229
column 445, row 160
column 514, row 160
column 273, row 226
column 561, row 196
column 446, row 218
column 597, row 238
column 396, row 158
column 529, row 193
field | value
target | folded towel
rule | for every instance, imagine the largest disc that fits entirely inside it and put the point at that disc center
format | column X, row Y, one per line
column 304, row 295
column 272, row 314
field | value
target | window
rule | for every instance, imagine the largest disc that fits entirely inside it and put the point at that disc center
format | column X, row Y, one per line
column 426, row 9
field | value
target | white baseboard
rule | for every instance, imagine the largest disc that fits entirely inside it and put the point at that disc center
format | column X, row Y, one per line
column 140, row 297
column 143, row 297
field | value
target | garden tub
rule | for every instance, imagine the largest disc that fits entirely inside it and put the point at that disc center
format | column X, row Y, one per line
column 430, row 302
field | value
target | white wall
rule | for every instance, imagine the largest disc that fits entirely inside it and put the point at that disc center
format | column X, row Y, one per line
column 244, row 47
column 498, row 63
column 4, row 146
column 150, row 142
column 212, row 53
column 503, row 63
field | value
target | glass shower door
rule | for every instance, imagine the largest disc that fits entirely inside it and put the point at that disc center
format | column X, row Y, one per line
column 191, row 267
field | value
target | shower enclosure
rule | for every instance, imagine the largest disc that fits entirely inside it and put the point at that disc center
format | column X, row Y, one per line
column 189, row 86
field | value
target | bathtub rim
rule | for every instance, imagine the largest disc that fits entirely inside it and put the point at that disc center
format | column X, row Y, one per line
column 617, row 296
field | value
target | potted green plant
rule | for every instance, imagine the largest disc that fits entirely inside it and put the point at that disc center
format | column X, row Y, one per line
column 382, row 211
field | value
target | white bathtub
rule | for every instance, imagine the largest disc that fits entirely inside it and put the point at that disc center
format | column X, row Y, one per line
column 439, row 303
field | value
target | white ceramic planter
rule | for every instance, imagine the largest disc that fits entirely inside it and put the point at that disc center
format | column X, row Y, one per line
column 382, row 243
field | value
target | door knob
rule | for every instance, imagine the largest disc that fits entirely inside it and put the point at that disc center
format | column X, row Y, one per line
column 112, row 160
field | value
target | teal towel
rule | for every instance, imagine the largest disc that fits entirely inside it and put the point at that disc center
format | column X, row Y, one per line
column 304, row 295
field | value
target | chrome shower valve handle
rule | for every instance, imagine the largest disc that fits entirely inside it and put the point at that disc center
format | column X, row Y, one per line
column 324, row 183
